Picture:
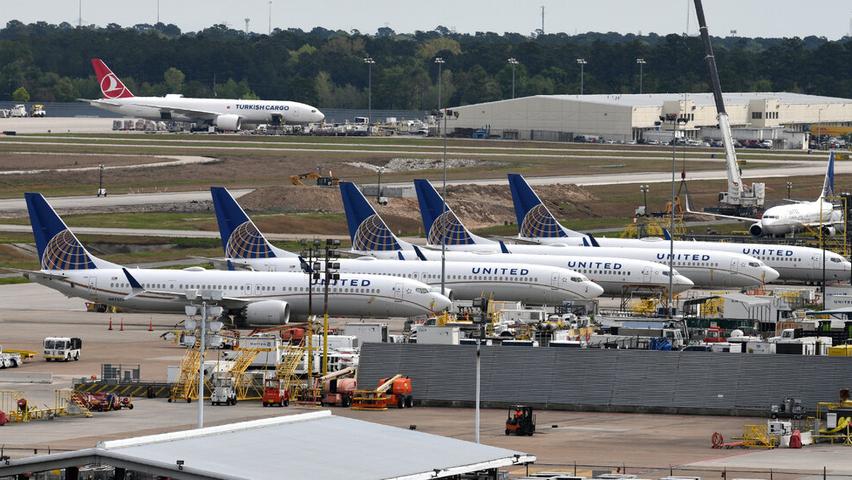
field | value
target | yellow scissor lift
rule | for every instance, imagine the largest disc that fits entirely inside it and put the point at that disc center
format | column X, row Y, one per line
column 242, row 382
column 286, row 370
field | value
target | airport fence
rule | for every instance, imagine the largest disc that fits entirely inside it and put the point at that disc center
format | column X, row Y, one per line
column 608, row 380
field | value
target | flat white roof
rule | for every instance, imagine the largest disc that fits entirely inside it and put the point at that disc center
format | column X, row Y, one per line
column 316, row 445
column 733, row 98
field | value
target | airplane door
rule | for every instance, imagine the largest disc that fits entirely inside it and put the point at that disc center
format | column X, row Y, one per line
column 397, row 292
column 646, row 275
column 734, row 265
column 554, row 280
column 816, row 262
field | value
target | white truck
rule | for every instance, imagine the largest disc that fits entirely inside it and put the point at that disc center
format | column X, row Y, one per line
column 224, row 390
column 18, row 111
column 62, row 348
column 9, row 360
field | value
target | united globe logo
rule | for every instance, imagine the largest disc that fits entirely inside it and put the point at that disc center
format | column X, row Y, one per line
column 448, row 227
column 538, row 222
column 64, row 252
column 372, row 234
column 246, row 242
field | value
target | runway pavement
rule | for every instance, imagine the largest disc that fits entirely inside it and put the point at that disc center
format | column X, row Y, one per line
column 18, row 204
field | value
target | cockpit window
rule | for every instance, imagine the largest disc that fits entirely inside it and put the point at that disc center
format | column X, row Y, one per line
column 577, row 279
column 753, row 264
column 665, row 273
column 770, row 217
column 422, row 290
column 836, row 260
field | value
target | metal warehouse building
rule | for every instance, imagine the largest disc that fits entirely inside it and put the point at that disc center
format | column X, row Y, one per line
column 623, row 118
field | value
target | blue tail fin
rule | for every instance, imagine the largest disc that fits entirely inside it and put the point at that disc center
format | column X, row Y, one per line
column 240, row 236
column 828, row 184
column 58, row 248
column 366, row 228
column 534, row 218
column 439, row 221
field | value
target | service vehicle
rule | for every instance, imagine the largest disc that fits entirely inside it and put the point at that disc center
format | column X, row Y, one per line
column 62, row 348
column 274, row 393
column 520, row 420
column 224, row 390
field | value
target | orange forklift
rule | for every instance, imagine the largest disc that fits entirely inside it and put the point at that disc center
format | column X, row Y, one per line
column 520, row 421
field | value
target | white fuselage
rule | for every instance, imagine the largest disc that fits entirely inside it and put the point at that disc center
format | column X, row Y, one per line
column 615, row 275
column 515, row 281
column 251, row 112
column 351, row 296
column 794, row 263
column 707, row 269
column 796, row 217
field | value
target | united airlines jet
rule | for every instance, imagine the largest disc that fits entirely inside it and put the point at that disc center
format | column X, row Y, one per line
column 618, row 276
column 800, row 216
column 255, row 298
column 708, row 269
column 224, row 114
column 245, row 245
column 793, row 263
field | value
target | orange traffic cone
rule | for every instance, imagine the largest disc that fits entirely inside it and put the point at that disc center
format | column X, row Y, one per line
column 150, row 325
column 121, row 328
column 110, row 324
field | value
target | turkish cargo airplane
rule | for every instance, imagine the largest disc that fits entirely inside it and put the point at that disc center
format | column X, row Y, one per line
column 784, row 219
column 707, row 268
column 254, row 298
column 224, row 114
column 618, row 276
column 245, row 245
column 795, row 264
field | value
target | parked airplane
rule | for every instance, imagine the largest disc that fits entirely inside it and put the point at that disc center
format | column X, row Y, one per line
column 708, row 269
column 224, row 114
column 784, row 219
column 245, row 245
column 256, row 298
column 371, row 236
column 794, row 263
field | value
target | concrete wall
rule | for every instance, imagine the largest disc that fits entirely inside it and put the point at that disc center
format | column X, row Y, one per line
column 608, row 380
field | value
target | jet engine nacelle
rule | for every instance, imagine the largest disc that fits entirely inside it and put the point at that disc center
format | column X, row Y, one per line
column 267, row 312
column 829, row 230
column 229, row 122
column 756, row 230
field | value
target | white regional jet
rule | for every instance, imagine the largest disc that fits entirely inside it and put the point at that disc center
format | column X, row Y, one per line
column 794, row 263
column 707, row 268
column 224, row 114
column 245, row 245
column 618, row 276
column 255, row 298
column 783, row 219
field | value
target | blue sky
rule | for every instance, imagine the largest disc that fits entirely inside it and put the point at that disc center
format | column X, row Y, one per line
column 748, row 17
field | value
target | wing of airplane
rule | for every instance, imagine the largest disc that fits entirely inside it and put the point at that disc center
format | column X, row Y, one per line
column 519, row 240
column 223, row 301
column 716, row 215
column 790, row 200
column 206, row 114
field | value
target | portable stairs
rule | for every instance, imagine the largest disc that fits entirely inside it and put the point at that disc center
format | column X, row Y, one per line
column 242, row 382
column 186, row 388
column 286, row 370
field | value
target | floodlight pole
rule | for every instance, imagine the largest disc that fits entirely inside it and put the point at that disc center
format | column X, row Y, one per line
column 440, row 62
column 201, row 365
column 641, row 62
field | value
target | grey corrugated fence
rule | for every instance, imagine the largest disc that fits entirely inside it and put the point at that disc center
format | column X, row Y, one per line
column 609, row 380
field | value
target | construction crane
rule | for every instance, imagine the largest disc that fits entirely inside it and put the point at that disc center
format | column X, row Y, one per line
column 739, row 199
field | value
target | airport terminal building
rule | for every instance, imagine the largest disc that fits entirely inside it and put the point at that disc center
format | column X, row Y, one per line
column 779, row 116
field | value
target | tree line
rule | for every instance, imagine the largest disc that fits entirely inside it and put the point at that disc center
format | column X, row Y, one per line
column 46, row 62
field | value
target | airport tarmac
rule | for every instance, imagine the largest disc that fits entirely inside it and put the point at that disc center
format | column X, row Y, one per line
column 30, row 312
column 56, row 125
column 64, row 203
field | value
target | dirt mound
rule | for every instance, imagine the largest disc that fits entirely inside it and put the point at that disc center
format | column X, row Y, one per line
column 293, row 199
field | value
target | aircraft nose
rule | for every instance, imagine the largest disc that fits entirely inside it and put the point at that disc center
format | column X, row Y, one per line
column 440, row 302
column 682, row 283
column 317, row 116
column 770, row 274
column 593, row 290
